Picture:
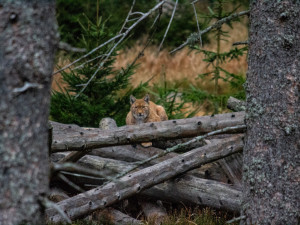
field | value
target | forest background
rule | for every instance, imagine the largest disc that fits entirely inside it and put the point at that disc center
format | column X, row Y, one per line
column 194, row 81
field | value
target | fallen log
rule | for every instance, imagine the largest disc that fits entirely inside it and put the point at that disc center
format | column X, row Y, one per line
column 192, row 190
column 154, row 212
column 75, row 138
column 101, row 197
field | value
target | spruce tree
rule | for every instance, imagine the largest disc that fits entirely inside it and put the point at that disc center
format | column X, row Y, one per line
column 107, row 95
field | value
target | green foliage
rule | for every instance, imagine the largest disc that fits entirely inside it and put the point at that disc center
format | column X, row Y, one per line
column 107, row 95
column 170, row 97
column 69, row 12
column 214, row 59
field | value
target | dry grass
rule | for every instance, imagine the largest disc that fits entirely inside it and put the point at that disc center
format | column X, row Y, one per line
column 182, row 65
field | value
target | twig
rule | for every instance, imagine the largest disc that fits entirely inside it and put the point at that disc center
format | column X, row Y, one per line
column 27, row 86
column 180, row 146
column 173, row 13
column 236, row 219
column 70, row 183
column 99, row 56
column 199, row 32
column 123, row 35
column 75, row 168
column 49, row 204
column 127, row 17
column 240, row 43
column 216, row 24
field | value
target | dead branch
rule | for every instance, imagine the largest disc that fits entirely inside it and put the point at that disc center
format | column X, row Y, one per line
column 131, row 184
column 67, row 47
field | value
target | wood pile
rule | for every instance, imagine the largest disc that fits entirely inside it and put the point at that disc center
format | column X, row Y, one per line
column 195, row 161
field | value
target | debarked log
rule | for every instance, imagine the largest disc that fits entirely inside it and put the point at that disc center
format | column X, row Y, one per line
column 75, row 138
column 101, row 197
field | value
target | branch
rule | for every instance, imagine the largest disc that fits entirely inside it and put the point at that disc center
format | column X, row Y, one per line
column 127, row 186
column 67, row 47
column 216, row 24
column 199, row 32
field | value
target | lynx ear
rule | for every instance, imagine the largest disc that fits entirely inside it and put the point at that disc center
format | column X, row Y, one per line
column 147, row 98
column 132, row 99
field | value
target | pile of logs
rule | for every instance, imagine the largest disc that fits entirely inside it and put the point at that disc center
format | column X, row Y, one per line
column 196, row 161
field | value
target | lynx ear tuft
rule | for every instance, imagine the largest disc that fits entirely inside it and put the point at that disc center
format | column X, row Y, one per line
column 132, row 99
column 147, row 98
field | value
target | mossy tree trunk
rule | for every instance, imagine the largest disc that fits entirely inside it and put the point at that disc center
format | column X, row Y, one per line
column 271, row 153
column 28, row 37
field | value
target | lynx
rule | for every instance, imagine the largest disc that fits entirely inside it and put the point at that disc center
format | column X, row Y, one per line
column 144, row 111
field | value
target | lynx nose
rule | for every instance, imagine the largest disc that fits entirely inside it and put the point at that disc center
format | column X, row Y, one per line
column 140, row 114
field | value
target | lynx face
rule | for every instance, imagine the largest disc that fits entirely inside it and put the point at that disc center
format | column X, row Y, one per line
column 140, row 108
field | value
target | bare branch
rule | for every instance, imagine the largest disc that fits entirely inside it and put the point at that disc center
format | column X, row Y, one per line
column 127, row 17
column 174, row 10
column 199, row 32
column 216, row 24
column 67, row 47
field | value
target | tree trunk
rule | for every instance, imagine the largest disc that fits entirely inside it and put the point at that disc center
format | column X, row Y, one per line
column 271, row 154
column 28, row 38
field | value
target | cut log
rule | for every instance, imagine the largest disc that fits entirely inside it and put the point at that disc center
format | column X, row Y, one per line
column 75, row 138
column 101, row 197
column 236, row 105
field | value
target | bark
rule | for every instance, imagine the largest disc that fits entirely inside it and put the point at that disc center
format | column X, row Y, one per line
column 236, row 105
column 74, row 138
column 28, row 38
column 271, row 154
column 131, row 184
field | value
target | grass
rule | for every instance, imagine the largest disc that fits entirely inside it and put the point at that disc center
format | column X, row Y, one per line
column 183, row 216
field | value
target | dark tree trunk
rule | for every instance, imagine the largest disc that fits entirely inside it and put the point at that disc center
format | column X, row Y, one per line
column 28, row 37
column 271, row 153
